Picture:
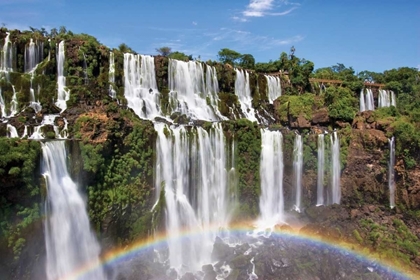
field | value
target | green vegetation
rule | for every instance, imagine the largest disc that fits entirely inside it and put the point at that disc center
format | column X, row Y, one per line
column 118, row 149
column 341, row 103
column 395, row 242
column 18, row 179
column 248, row 151
column 122, row 181
column 297, row 105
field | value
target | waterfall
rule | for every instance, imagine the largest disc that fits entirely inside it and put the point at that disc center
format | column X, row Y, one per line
column 12, row 132
column 243, row 91
column 391, row 172
column 196, row 193
column 140, row 88
column 63, row 94
column 111, row 75
column 2, row 105
column 49, row 120
column 212, row 91
column 6, row 58
column 6, row 66
column 370, row 105
column 25, row 132
column 271, row 170
column 321, row 162
column 13, row 103
column 297, row 169
column 362, row 101
column 33, row 56
column 190, row 94
column 386, row 98
column 393, row 100
column 70, row 244
column 335, row 168
column 274, row 88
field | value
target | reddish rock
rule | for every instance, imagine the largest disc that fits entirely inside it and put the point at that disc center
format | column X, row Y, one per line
column 354, row 213
column 372, row 208
column 321, row 116
column 302, row 122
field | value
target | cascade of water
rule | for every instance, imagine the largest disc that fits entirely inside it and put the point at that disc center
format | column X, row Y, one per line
column 370, row 105
column 12, row 132
column 243, row 91
column 140, row 88
column 274, row 88
column 6, row 58
column 252, row 275
column 6, row 66
column 271, row 170
column 49, row 120
column 70, row 244
column 25, row 132
column 335, row 168
column 384, row 99
column 2, row 105
column 393, row 100
column 63, row 94
column 33, row 56
column 111, row 75
column 321, row 162
column 190, row 93
column 212, row 91
column 195, row 191
column 391, row 172
column 297, row 169
column 362, row 101
column 13, row 103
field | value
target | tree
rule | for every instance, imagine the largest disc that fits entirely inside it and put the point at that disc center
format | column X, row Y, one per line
column 62, row 30
column 180, row 56
column 125, row 49
column 53, row 32
column 247, row 61
column 228, row 56
column 164, row 51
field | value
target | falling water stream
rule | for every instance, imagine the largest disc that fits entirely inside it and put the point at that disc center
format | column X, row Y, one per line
column 69, row 241
column 63, row 93
column 335, row 168
column 271, row 170
column 297, row 170
column 321, row 170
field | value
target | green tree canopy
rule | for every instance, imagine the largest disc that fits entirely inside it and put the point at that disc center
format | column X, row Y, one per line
column 180, row 56
column 229, row 56
column 164, row 51
column 247, row 61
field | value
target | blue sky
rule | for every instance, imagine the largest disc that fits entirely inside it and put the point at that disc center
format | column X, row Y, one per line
column 365, row 34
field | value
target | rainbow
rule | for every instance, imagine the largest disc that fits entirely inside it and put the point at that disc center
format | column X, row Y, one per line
column 117, row 255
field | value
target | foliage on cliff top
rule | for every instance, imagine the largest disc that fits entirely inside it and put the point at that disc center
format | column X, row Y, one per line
column 296, row 105
column 341, row 103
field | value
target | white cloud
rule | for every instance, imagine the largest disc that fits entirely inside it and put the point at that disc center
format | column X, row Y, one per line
column 261, row 8
column 241, row 19
column 244, row 40
column 257, row 8
column 194, row 23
